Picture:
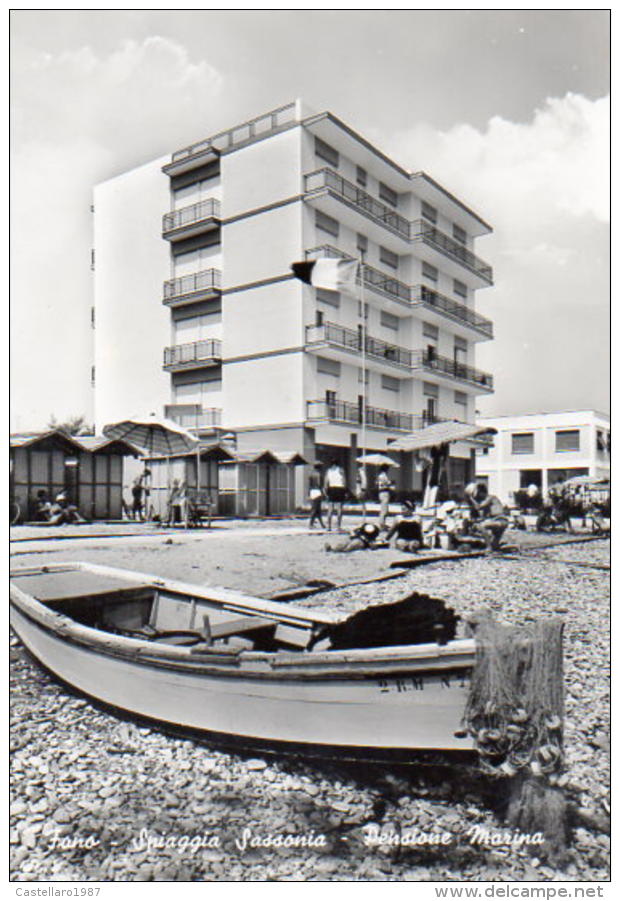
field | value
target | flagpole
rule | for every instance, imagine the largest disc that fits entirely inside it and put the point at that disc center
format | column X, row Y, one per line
column 364, row 399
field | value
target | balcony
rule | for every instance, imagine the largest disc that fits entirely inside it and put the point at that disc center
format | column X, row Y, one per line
column 253, row 130
column 427, row 234
column 195, row 219
column 351, row 341
column 411, row 295
column 445, row 306
column 196, row 355
column 326, row 182
column 194, row 417
column 188, row 289
column 451, row 369
column 374, row 279
column 342, row 411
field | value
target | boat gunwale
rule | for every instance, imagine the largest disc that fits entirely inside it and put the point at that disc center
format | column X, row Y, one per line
column 344, row 664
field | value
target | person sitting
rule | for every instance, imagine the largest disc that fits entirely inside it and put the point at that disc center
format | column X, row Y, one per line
column 406, row 530
column 489, row 518
column 361, row 539
column 42, row 507
column 62, row 512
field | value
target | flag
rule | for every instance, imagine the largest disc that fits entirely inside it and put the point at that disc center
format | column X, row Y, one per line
column 329, row 273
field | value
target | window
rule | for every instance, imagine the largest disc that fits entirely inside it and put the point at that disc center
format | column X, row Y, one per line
column 331, row 298
column 523, row 443
column 360, row 376
column 567, row 440
column 387, row 194
column 429, row 272
column 328, row 367
column 460, row 343
column 92, row 317
column 359, row 309
column 92, row 375
column 429, row 212
column 389, row 383
column 388, row 320
column 326, row 152
column 430, row 331
column 362, row 243
column 386, row 256
column 459, row 288
column 326, row 223
column 459, row 234
column 318, row 317
column 430, row 390
column 360, row 176
column 460, row 398
column 602, row 441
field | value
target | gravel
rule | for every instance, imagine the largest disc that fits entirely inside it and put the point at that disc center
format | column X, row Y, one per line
column 95, row 797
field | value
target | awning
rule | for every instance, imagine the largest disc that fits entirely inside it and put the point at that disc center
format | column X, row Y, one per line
column 440, row 433
column 270, row 457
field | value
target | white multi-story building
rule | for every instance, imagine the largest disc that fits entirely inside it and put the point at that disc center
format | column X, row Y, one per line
column 198, row 315
column 544, row 448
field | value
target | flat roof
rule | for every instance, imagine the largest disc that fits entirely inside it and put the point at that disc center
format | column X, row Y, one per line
column 544, row 413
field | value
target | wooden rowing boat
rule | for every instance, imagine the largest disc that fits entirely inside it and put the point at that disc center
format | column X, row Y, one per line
column 235, row 666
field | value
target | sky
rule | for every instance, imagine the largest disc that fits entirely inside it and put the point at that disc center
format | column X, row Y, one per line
column 509, row 110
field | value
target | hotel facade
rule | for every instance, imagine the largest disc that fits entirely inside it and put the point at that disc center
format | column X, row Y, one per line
column 197, row 315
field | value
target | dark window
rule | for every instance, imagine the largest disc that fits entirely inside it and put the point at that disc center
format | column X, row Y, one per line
column 459, row 288
column 459, row 234
column 331, row 298
column 460, row 343
column 430, row 330
column 387, row 194
column 523, row 443
column 460, row 398
column 430, row 390
column 318, row 320
column 326, row 152
column 386, row 256
column 362, row 243
column 429, row 212
column 567, row 440
column 328, row 367
column 389, row 321
column 326, row 223
column 389, row 383
column 360, row 176
column 429, row 272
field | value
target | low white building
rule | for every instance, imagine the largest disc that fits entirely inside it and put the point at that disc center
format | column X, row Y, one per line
column 544, row 448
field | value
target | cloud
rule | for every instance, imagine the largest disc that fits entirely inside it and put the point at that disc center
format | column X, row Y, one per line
column 544, row 187
column 132, row 99
column 78, row 118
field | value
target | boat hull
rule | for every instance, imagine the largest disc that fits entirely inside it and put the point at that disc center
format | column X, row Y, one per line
column 387, row 699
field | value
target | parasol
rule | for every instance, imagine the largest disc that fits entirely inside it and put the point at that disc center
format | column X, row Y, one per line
column 157, row 435
column 377, row 460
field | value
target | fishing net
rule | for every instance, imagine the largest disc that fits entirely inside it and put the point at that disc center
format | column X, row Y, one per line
column 516, row 703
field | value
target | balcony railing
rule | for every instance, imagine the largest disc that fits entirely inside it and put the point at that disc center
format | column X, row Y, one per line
column 458, row 311
column 343, row 411
column 202, row 211
column 373, row 278
column 355, row 197
column 420, row 230
column 421, row 359
column 197, row 283
column 205, row 419
column 187, row 356
column 349, row 339
column 252, row 130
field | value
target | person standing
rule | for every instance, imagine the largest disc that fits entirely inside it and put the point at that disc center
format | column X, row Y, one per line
column 316, row 497
column 335, row 491
column 136, row 495
column 361, row 488
column 384, row 488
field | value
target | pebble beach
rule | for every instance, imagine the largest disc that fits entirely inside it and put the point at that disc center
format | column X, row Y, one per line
column 98, row 797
